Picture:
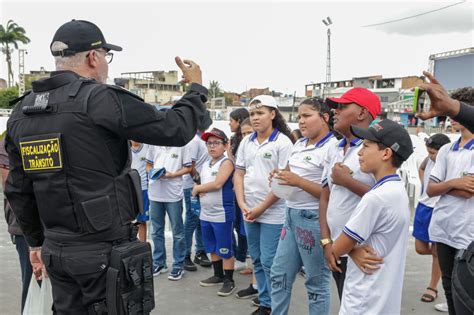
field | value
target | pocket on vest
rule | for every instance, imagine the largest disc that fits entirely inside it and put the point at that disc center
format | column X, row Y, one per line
column 97, row 214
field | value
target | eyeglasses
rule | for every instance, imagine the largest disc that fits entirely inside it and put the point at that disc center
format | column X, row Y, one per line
column 214, row 143
column 108, row 55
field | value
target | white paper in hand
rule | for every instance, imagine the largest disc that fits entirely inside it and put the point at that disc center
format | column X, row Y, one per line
column 281, row 191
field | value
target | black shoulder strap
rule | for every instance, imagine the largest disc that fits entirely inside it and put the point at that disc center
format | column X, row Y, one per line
column 16, row 100
column 122, row 90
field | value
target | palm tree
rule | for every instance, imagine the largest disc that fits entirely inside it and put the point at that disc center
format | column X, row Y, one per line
column 10, row 36
column 214, row 89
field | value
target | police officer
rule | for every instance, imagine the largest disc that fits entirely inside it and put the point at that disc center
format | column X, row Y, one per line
column 70, row 184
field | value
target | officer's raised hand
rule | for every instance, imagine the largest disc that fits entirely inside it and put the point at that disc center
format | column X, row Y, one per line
column 191, row 71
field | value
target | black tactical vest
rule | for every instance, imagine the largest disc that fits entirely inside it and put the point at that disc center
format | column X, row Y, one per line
column 80, row 195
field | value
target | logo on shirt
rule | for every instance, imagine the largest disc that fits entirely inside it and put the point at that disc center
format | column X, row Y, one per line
column 267, row 155
column 224, row 251
column 174, row 156
column 142, row 158
column 214, row 173
column 464, row 173
column 307, row 158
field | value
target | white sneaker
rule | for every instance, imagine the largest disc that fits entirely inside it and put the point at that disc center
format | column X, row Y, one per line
column 238, row 265
column 442, row 307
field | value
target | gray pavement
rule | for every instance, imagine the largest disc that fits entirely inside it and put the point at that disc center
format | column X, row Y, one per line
column 187, row 297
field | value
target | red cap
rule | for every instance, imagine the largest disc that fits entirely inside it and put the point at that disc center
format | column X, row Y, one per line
column 360, row 96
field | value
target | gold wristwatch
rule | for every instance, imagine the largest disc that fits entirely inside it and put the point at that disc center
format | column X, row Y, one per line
column 325, row 241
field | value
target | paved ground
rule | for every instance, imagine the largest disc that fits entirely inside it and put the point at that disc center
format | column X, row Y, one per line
column 187, row 297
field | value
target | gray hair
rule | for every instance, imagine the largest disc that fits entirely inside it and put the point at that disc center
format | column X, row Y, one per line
column 67, row 62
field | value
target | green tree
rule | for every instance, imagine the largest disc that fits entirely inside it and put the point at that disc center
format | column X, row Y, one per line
column 215, row 89
column 6, row 95
column 10, row 36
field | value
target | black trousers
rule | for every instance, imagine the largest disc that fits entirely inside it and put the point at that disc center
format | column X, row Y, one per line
column 340, row 277
column 446, row 255
column 78, row 275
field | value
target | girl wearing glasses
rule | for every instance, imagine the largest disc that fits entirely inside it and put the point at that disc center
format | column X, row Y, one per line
column 260, row 153
column 300, row 237
column 217, row 211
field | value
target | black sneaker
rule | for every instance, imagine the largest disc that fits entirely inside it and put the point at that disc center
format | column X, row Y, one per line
column 201, row 259
column 189, row 265
column 256, row 302
column 247, row 293
column 262, row 310
column 159, row 269
column 211, row 281
column 227, row 288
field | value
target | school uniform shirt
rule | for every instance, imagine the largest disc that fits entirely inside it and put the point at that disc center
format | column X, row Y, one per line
column 425, row 199
column 258, row 160
column 139, row 163
column 381, row 220
column 218, row 205
column 308, row 163
column 172, row 159
column 452, row 221
column 342, row 201
column 198, row 151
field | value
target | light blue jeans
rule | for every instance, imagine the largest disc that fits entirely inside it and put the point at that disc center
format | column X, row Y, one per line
column 262, row 239
column 158, row 212
column 299, row 246
column 192, row 226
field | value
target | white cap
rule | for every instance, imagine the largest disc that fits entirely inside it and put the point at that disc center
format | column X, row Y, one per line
column 265, row 100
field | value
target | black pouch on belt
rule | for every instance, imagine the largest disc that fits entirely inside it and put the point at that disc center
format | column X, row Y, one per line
column 130, row 279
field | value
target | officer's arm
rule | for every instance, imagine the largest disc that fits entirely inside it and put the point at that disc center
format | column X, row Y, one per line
column 20, row 194
column 174, row 127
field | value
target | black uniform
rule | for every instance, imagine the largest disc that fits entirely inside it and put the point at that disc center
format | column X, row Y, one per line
column 70, row 183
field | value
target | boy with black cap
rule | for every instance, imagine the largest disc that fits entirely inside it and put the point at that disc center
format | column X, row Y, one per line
column 381, row 220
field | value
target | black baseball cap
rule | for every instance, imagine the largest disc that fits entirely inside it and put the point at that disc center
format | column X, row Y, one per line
column 215, row 133
column 388, row 133
column 436, row 141
column 80, row 36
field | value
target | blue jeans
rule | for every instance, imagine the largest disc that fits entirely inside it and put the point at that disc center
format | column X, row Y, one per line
column 239, row 244
column 25, row 265
column 262, row 239
column 299, row 246
column 158, row 211
column 191, row 226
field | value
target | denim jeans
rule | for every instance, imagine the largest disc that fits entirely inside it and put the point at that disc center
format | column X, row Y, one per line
column 262, row 239
column 299, row 246
column 25, row 265
column 191, row 226
column 239, row 244
column 158, row 211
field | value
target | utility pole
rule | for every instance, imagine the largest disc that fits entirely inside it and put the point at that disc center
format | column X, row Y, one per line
column 326, row 89
column 21, row 72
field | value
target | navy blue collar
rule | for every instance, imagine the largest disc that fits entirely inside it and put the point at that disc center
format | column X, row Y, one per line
column 272, row 137
column 137, row 150
column 467, row 146
column 388, row 178
column 321, row 142
column 354, row 143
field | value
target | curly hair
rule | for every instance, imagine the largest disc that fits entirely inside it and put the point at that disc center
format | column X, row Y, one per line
column 465, row 94
column 239, row 114
column 322, row 107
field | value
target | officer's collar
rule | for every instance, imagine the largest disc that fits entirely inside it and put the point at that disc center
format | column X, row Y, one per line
column 57, row 79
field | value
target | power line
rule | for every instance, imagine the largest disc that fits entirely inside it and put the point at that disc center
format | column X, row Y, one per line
column 414, row 16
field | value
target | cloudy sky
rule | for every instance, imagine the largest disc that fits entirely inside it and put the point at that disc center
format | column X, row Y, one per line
column 243, row 44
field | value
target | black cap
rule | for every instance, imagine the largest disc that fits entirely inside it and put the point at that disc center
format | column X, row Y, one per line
column 79, row 36
column 390, row 134
column 436, row 141
column 215, row 133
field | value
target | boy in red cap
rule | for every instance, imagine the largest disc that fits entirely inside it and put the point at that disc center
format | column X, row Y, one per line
column 344, row 183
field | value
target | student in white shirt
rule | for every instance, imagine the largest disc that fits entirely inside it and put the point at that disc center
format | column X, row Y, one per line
column 381, row 220
column 424, row 210
column 300, row 238
column 166, row 196
column 217, row 214
column 260, row 153
column 139, row 151
column 452, row 222
column 343, row 181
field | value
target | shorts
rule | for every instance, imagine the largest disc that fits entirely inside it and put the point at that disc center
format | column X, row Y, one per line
column 217, row 238
column 145, row 216
column 421, row 222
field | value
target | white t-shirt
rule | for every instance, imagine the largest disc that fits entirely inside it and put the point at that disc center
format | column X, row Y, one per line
column 139, row 163
column 217, row 205
column 258, row 160
column 172, row 159
column 452, row 221
column 425, row 199
column 199, row 155
column 381, row 220
column 342, row 201
column 308, row 162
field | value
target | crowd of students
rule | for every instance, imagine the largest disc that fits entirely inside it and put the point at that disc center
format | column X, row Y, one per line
column 347, row 215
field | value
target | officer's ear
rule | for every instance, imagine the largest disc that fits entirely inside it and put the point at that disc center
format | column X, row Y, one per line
column 92, row 58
